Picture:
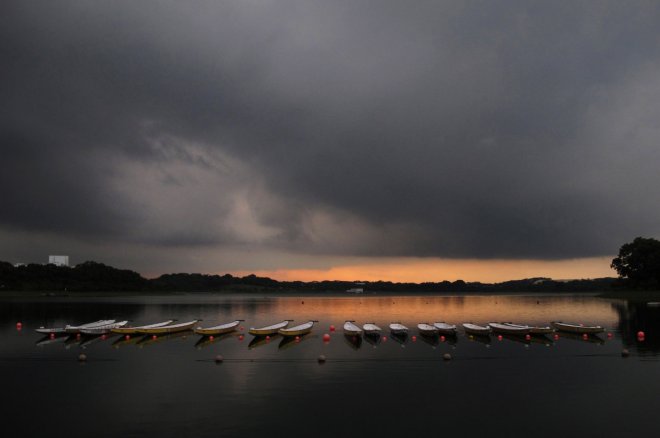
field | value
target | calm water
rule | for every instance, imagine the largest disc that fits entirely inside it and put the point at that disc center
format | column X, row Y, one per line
column 172, row 387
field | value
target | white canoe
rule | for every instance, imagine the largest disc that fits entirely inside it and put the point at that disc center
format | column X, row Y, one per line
column 509, row 329
column 61, row 330
column 398, row 328
column 427, row 329
column 351, row 329
column 132, row 330
column 444, row 328
column 166, row 329
column 298, row 330
column 77, row 328
column 268, row 330
column 577, row 328
column 371, row 329
column 534, row 330
column 474, row 329
column 218, row 329
column 102, row 329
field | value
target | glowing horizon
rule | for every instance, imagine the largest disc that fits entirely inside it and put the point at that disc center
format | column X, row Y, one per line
column 417, row 270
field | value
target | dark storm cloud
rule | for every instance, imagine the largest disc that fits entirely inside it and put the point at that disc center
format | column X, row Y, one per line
column 459, row 129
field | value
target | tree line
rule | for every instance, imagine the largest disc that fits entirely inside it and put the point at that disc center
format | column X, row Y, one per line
column 638, row 266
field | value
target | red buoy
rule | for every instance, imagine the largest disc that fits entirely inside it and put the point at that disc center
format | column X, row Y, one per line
column 103, row 337
column 326, row 338
column 499, row 337
column 154, row 337
column 77, row 335
column 414, row 338
column 556, row 337
column 640, row 334
column 442, row 338
column 211, row 338
column 528, row 337
column 127, row 337
column 19, row 325
column 332, row 328
column 585, row 336
column 52, row 335
column 240, row 337
column 268, row 338
column 384, row 338
column 241, row 328
column 609, row 335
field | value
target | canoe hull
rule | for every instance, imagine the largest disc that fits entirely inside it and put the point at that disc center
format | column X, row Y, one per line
column 509, row 330
column 445, row 329
column 574, row 328
column 268, row 331
column 299, row 330
column 220, row 330
column 167, row 329
column 476, row 330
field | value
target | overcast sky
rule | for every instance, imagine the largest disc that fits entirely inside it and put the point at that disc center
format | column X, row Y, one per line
column 252, row 135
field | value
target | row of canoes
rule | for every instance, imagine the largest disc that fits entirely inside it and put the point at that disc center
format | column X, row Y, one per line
column 282, row 328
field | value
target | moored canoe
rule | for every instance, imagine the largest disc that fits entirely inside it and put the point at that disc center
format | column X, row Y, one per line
column 298, row 330
column 172, row 328
column 534, row 330
column 269, row 330
column 398, row 328
column 218, row 329
column 509, row 329
column 474, row 329
column 132, row 330
column 351, row 329
column 577, row 328
column 371, row 329
column 445, row 328
column 73, row 329
column 427, row 329
column 102, row 329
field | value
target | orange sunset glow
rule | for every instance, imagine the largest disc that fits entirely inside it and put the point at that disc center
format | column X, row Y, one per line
column 419, row 270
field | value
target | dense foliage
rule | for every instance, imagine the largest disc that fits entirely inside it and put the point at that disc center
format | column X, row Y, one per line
column 638, row 263
column 92, row 276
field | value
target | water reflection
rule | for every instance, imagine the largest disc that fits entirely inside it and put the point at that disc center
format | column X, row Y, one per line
column 635, row 317
column 353, row 341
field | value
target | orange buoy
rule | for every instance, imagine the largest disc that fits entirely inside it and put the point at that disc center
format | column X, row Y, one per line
column 326, row 338
column 332, row 328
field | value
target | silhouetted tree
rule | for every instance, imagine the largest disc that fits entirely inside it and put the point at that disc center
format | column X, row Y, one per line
column 638, row 263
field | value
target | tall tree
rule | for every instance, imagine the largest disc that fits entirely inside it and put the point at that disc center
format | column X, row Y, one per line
column 638, row 263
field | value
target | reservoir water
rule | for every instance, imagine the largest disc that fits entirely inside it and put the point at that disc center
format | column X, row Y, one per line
column 172, row 387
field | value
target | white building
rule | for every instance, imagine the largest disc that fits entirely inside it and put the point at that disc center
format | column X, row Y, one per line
column 58, row 260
